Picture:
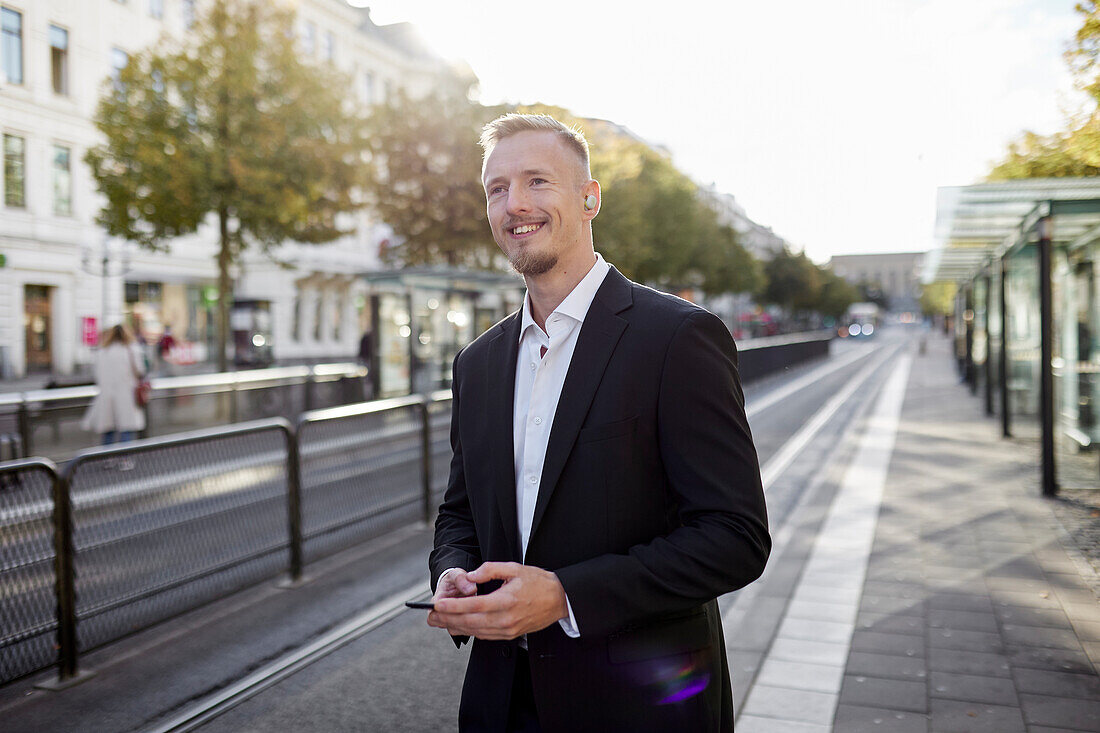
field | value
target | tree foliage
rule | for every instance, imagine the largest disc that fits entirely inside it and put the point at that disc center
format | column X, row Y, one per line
column 230, row 123
column 424, row 177
column 836, row 295
column 1076, row 151
column 793, row 282
column 938, row 298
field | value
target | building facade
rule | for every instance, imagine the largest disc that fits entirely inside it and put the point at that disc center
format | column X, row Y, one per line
column 895, row 275
column 62, row 279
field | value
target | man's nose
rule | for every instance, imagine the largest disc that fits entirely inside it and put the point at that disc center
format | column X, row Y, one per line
column 518, row 200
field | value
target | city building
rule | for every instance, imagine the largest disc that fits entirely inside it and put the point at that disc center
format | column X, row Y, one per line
column 758, row 239
column 895, row 275
column 62, row 279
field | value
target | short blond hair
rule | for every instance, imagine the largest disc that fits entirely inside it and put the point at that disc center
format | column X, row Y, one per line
column 513, row 123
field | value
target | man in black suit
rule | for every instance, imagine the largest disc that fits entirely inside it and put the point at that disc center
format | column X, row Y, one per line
column 604, row 488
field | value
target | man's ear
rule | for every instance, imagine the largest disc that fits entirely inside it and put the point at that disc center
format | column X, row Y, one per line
column 590, row 206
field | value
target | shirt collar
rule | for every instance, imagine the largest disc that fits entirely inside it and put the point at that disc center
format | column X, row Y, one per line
column 577, row 303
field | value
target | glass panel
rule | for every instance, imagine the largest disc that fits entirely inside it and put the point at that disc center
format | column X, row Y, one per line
column 1074, row 368
column 12, row 24
column 394, row 332
column 14, row 182
column 59, row 59
column 1022, row 329
column 62, row 182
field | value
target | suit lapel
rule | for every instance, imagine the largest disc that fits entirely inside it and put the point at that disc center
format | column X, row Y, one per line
column 596, row 342
column 500, row 386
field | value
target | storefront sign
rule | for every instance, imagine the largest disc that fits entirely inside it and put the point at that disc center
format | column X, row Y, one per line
column 89, row 332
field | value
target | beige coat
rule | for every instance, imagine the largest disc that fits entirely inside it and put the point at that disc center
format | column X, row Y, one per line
column 114, row 407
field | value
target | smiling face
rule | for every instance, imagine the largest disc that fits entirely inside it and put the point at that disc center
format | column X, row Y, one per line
column 535, row 188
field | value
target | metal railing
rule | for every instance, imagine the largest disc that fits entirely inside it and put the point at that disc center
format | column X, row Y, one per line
column 131, row 534
column 181, row 403
column 762, row 356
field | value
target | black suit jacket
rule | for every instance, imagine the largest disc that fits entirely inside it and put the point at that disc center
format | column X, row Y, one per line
column 650, row 506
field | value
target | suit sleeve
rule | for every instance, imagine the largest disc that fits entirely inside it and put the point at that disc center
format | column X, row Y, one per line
column 722, row 541
column 456, row 543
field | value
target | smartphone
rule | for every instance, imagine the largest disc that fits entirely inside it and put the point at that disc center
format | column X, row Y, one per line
column 425, row 605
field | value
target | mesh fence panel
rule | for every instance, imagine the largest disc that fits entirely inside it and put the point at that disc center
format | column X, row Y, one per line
column 161, row 530
column 361, row 477
column 28, row 620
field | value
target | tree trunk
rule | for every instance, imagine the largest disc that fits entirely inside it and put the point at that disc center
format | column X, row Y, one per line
column 225, row 288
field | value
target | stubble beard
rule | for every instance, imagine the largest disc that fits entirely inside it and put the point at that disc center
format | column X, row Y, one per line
column 533, row 263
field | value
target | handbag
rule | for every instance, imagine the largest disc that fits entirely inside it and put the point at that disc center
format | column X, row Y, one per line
column 144, row 388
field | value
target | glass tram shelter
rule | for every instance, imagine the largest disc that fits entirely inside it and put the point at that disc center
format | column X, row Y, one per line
column 1025, row 256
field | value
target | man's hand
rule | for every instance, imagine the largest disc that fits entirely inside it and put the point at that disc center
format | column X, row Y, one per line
column 529, row 600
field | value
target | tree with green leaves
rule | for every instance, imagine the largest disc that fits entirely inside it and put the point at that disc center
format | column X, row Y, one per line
column 836, row 295
column 230, row 124
column 1076, row 151
column 424, row 177
column 938, row 298
column 793, row 282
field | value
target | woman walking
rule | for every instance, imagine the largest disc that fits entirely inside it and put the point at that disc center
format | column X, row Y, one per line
column 115, row 413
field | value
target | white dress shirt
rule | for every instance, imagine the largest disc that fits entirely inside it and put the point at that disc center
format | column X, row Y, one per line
column 539, row 379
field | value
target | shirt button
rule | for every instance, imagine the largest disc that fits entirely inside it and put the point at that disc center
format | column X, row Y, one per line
column 533, row 480
column 534, row 366
column 538, row 421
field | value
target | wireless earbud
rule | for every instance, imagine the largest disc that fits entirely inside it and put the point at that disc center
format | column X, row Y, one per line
column 590, row 202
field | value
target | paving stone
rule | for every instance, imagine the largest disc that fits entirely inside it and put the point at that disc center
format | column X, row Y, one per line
column 812, row 652
column 860, row 719
column 975, row 641
column 962, row 620
column 887, row 693
column 888, row 623
column 1087, row 630
column 1027, row 616
column 799, row 705
column 890, row 666
column 1059, row 660
column 960, row 601
column 973, row 688
column 1032, row 599
column 830, row 631
column 891, row 605
column 1061, row 711
column 1042, row 636
column 878, row 643
column 1061, row 684
column 757, row 724
column 835, row 612
column 801, row 676
column 954, row 716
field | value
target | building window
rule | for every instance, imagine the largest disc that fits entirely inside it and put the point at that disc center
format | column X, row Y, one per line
column 14, row 174
column 59, row 60
column 156, row 8
column 11, row 24
column 188, row 9
column 368, row 88
column 119, row 59
column 328, row 46
column 309, row 38
column 318, row 317
column 296, row 318
column 62, row 181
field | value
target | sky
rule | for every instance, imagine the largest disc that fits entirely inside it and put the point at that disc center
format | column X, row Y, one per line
column 831, row 122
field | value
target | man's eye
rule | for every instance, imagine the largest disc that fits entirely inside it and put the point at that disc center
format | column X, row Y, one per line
column 537, row 181
column 495, row 190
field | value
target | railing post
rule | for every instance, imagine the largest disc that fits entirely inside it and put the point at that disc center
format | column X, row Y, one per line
column 233, row 409
column 65, row 576
column 23, row 416
column 294, row 502
column 1046, row 351
column 426, row 450
column 308, row 385
column 1006, row 414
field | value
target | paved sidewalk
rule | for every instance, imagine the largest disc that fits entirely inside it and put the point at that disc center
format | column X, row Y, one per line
column 971, row 614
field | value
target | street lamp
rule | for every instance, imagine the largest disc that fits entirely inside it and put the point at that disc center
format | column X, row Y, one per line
column 105, row 267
